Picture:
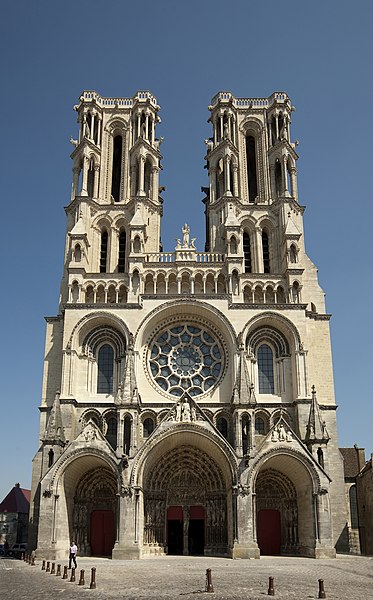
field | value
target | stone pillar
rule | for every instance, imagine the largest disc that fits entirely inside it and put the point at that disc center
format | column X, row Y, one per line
column 75, row 191
column 84, row 191
column 154, row 186
column 258, row 250
column 235, row 179
column 96, row 181
column 293, row 180
column 245, row 545
column 127, row 542
column 141, row 191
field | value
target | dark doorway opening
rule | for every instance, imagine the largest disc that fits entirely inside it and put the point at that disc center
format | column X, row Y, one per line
column 102, row 532
column 269, row 532
column 196, row 537
column 175, row 537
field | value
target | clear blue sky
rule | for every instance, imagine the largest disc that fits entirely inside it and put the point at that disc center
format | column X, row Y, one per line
column 319, row 52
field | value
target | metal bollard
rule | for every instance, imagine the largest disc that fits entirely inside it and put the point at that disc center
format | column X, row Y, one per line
column 81, row 578
column 32, row 560
column 209, row 587
column 72, row 578
column 321, row 589
column 271, row 587
column 93, row 579
column 58, row 574
column 64, row 576
column 48, row 570
column 43, row 566
column 53, row 569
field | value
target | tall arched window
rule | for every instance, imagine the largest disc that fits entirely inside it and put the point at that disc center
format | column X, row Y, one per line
column 353, row 507
column 122, row 252
column 127, row 435
column 103, row 253
column 50, row 458
column 148, row 427
column 245, row 428
column 265, row 246
column 117, row 167
column 105, row 363
column 293, row 254
column 222, row 426
column 265, row 370
column 251, row 167
column 259, row 426
column 278, row 177
column 247, row 252
column 91, row 179
column 111, row 433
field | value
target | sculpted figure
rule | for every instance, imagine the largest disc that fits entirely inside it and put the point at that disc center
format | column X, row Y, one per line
column 282, row 433
column 178, row 411
column 186, row 412
column 274, row 437
column 186, row 232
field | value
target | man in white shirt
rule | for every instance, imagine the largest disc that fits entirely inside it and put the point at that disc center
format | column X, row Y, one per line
column 72, row 554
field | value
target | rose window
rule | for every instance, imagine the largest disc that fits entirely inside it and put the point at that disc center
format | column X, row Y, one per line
column 186, row 358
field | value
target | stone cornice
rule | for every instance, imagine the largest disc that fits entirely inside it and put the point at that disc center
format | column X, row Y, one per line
column 103, row 305
column 317, row 316
column 301, row 307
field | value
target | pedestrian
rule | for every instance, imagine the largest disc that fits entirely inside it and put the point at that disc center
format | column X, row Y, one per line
column 72, row 554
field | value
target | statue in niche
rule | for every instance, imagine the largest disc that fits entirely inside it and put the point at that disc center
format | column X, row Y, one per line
column 186, row 233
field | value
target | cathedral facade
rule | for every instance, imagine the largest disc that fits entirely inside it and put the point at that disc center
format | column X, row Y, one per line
column 188, row 400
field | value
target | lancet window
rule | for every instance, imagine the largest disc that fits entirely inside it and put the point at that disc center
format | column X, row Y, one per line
column 122, row 252
column 252, row 176
column 104, row 251
column 265, row 369
column 105, row 363
column 117, row 167
column 247, row 252
column 265, row 248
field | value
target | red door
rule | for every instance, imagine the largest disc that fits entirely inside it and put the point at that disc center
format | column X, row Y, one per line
column 102, row 532
column 269, row 531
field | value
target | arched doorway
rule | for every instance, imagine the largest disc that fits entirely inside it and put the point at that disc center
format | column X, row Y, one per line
column 285, row 514
column 94, row 512
column 185, row 504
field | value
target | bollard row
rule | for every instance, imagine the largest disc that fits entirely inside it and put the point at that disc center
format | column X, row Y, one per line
column 51, row 568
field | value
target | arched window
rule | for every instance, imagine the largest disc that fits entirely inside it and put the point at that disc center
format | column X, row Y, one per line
column 278, row 177
column 245, row 434
column 233, row 245
column 103, row 253
column 50, row 458
column 89, row 295
column 222, row 426
column 147, row 177
column 295, row 292
column 127, row 435
column 265, row 370
column 259, row 426
column 265, row 247
column 111, row 433
column 354, row 516
column 148, row 427
column 117, row 167
column 77, row 253
column 91, row 178
column 137, row 245
column 251, row 167
column 280, row 294
column 105, row 362
column 75, row 292
column 293, row 254
column 122, row 252
column 247, row 252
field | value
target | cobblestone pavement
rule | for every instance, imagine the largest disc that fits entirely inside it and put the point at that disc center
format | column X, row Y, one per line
column 183, row 578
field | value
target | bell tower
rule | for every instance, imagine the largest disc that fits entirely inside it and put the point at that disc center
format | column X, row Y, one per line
column 115, row 209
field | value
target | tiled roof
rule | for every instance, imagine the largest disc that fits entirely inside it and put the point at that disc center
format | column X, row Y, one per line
column 351, row 461
column 17, row 501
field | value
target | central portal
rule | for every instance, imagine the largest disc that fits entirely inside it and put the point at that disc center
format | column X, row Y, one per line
column 185, row 505
column 186, row 530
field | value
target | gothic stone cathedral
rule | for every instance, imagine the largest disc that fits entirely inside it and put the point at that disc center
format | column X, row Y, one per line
column 188, row 403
